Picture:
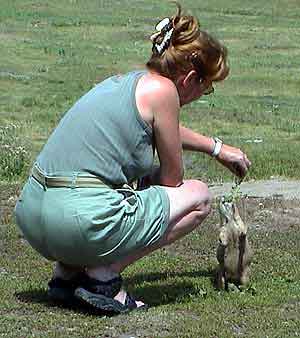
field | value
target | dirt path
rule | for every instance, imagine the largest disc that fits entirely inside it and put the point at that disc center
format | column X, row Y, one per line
column 280, row 196
column 267, row 205
column 280, row 189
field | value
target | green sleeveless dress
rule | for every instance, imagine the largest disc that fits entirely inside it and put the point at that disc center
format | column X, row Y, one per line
column 102, row 135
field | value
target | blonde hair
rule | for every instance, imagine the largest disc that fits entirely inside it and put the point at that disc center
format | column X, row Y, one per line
column 188, row 48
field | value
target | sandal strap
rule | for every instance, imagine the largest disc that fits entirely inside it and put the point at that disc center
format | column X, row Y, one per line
column 72, row 283
column 59, row 283
column 108, row 288
column 130, row 302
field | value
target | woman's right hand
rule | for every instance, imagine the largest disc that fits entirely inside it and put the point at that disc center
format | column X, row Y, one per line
column 234, row 159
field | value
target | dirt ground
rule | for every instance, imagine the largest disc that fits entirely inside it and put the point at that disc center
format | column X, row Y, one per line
column 266, row 205
column 274, row 188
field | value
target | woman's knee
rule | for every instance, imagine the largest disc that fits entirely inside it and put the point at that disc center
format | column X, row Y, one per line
column 200, row 194
column 191, row 196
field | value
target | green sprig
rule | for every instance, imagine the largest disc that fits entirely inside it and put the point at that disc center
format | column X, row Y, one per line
column 235, row 194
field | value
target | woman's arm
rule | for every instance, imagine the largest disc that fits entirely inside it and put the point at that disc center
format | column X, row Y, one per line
column 166, row 109
column 230, row 157
column 195, row 141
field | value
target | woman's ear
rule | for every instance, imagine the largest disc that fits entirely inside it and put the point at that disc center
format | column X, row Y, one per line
column 190, row 78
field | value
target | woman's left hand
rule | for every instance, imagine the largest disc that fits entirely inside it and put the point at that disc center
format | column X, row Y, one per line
column 234, row 159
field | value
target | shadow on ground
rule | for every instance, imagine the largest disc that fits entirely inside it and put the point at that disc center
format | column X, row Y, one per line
column 165, row 293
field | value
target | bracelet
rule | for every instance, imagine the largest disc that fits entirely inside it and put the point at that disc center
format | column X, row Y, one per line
column 217, row 147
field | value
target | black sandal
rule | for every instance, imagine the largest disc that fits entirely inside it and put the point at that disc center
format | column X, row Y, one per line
column 100, row 295
column 63, row 290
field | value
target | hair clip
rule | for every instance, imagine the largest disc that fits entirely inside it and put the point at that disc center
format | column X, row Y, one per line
column 194, row 55
column 162, row 24
column 196, row 61
column 165, row 27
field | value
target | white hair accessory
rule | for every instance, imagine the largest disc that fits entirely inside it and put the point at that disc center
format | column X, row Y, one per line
column 166, row 27
column 162, row 24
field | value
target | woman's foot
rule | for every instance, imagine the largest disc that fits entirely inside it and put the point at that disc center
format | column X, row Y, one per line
column 64, row 282
column 121, row 297
column 62, row 289
column 108, row 296
column 123, row 302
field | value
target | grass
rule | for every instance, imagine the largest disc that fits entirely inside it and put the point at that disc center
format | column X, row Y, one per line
column 52, row 53
column 14, row 154
column 176, row 282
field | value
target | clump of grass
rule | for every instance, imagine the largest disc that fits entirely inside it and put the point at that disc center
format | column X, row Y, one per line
column 14, row 152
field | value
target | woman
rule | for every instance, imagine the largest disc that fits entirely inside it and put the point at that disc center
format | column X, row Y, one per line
column 78, row 209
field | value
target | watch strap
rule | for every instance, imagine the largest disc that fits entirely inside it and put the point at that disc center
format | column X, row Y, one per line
column 217, row 147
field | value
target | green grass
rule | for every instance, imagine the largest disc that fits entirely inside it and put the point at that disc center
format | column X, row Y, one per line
column 177, row 284
column 52, row 52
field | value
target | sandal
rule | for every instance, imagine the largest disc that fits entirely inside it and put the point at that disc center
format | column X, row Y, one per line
column 63, row 290
column 101, row 295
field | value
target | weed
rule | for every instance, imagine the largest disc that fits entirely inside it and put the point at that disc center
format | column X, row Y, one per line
column 14, row 152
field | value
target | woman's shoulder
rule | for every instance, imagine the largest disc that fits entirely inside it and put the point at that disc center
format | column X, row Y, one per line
column 153, row 94
column 157, row 87
column 160, row 83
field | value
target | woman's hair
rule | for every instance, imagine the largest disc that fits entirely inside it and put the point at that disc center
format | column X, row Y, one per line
column 180, row 46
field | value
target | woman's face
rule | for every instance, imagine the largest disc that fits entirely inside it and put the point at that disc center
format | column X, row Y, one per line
column 190, row 88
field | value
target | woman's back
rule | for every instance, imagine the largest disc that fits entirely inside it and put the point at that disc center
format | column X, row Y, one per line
column 103, row 134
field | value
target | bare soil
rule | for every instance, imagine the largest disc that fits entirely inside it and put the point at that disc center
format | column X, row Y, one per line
column 271, row 213
column 267, row 205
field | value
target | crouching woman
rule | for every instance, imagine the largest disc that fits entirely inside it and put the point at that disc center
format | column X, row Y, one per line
column 78, row 207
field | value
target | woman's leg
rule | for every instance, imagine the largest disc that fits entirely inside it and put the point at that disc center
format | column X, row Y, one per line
column 65, row 272
column 189, row 206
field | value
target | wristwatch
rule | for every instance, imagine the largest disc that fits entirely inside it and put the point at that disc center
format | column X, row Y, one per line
column 217, row 147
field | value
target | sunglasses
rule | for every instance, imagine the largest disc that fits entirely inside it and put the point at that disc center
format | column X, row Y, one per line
column 209, row 90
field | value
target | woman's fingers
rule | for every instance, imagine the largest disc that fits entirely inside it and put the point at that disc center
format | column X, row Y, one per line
column 241, row 167
column 235, row 160
column 248, row 163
